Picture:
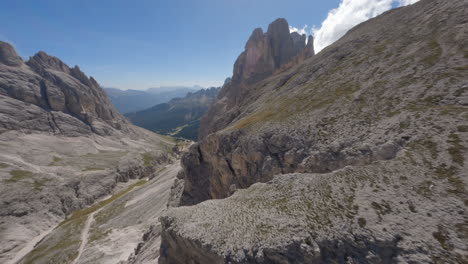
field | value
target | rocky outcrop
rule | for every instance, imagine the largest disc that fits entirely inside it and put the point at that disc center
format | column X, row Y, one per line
column 264, row 54
column 8, row 55
column 267, row 52
column 361, row 149
column 57, row 90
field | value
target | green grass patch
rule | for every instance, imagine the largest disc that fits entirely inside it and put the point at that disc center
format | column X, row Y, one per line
column 55, row 161
column 362, row 222
column 147, row 159
column 462, row 129
column 456, row 149
column 436, row 52
column 41, row 252
column 98, row 235
column 4, row 165
column 18, row 175
column 92, row 169
column 449, row 174
column 80, row 214
column 38, row 184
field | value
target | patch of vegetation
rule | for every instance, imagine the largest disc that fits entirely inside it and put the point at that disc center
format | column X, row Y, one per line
column 55, row 160
column 441, row 235
column 457, row 149
column 424, row 189
column 442, row 172
column 462, row 229
column 404, row 125
column 460, row 91
column 462, row 129
column 18, row 175
column 38, row 184
column 428, row 144
column 462, row 68
column 40, row 252
column 361, row 222
column 61, row 246
column 98, row 235
column 4, row 165
column 381, row 209
column 436, row 52
column 147, row 159
column 92, row 169
column 80, row 214
column 346, row 89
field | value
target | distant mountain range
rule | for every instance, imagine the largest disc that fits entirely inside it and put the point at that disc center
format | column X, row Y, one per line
column 180, row 117
column 135, row 100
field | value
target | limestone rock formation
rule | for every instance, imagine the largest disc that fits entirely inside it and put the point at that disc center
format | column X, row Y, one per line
column 267, row 52
column 58, row 91
column 62, row 147
column 264, row 54
column 8, row 55
column 360, row 151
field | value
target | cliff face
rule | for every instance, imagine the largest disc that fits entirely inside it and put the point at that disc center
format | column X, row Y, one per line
column 62, row 147
column 366, row 143
column 68, row 102
column 264, row 54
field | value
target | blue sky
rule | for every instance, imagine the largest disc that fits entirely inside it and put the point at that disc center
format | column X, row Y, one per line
column 148, row 43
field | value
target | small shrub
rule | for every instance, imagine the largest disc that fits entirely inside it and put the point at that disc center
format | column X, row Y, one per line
column 362, row 222
column 147, row 159
column 18, row 175
column 462, row 128
column 457, row 149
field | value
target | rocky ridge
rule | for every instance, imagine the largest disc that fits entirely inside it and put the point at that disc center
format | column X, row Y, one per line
column 65, row 101
column 360, row 152
column 63, row 146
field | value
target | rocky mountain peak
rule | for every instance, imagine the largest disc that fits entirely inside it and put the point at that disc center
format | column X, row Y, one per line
column 66, row 100
column 8, row 55
column 42, row 60
column 309, row 50
column 267, row 52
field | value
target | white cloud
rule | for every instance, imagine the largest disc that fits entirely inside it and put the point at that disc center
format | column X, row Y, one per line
column 348, row 14
column 407, row 2
column 301, row 31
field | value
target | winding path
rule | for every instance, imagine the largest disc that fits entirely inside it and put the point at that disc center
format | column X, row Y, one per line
column 85, row 234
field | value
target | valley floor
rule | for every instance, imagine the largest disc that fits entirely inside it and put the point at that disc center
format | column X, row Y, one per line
column 107, row 231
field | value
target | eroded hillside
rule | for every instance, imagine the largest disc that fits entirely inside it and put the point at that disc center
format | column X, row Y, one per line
column 63, row 147
column 356, row 154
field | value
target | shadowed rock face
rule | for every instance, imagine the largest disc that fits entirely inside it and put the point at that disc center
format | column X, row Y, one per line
column 266, row 52
column 8, row 55
column 354, row 155
column 59, row 92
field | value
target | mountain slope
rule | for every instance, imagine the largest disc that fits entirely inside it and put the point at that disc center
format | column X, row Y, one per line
column 180, row 117
column 62, row 147
column 68, row 102
column 136, row 100
column 356, row 154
